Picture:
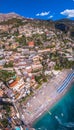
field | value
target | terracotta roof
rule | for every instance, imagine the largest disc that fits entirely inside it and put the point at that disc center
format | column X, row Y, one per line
column 31, row 43
column 6, row 128
column 14, row 83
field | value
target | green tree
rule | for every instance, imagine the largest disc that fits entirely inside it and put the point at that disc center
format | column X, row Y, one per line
column 21, row 40
column 5, row 76
column 4, row 123
column 10, row 64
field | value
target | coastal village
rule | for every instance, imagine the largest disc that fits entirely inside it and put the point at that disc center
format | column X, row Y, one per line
column 31, row 56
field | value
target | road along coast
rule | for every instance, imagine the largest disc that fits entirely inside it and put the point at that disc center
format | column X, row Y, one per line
column 47, row 96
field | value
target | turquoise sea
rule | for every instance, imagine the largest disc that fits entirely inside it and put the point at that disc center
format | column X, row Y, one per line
column 62, row 117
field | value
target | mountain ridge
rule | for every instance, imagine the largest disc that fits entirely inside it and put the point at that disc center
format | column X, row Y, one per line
column 13, row 14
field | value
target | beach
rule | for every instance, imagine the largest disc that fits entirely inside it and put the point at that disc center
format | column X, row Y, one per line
column 62, row 117
column 45, row 98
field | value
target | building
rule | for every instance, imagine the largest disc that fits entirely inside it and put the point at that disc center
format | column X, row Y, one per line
column 43, row 51
column 37, row 67
column 31, row 44
column 17, row 86
column 1, row 92
column 29, row 69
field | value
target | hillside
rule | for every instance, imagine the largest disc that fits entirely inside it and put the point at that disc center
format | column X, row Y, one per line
column 36, row 30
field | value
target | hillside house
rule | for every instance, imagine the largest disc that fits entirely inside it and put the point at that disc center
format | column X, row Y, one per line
column 37, row 67
column 31, row 44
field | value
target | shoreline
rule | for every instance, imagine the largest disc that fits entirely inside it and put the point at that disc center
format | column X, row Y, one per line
column 52, row 105
column 45, row 98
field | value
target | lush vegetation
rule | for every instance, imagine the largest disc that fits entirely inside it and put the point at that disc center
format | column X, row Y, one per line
column 64, row 64
column 14, row 21
column 21, row 40
column 4, row 121
column 10, row 64
column 40, row 78
column 5, row 75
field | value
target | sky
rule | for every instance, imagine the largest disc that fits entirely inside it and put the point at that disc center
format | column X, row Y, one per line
column 39, row 9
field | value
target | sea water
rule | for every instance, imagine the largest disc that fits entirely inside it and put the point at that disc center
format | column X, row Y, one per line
column 62, row 117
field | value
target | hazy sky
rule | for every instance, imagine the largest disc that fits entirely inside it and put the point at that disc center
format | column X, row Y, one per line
column 43, row 9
